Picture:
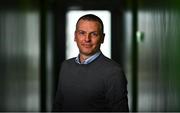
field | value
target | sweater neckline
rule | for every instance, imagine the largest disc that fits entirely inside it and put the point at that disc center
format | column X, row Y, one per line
column 85, row 65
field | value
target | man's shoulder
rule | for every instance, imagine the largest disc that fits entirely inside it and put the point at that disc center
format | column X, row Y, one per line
column 110, row 68
column 68, row 61
column 108, row 62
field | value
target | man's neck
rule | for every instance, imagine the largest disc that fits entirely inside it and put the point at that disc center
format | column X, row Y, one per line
column 83, row 57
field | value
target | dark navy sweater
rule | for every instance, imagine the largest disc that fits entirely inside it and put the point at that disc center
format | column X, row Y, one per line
column 98, row 86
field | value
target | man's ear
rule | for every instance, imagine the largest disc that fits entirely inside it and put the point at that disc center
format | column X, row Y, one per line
column 103, row 35
column 75, row 36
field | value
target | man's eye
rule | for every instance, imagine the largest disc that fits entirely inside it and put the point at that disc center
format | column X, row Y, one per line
column 82, row 33
column 94, row 34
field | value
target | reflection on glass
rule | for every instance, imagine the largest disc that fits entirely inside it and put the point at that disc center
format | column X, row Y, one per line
column 19, row 53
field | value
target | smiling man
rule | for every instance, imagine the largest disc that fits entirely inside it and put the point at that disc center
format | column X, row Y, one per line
column 88, row 36
column 91, row 81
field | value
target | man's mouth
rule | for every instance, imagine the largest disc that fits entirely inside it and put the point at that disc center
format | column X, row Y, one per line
column 87, row 45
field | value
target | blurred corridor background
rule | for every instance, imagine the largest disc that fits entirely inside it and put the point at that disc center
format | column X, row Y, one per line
column 143, row 36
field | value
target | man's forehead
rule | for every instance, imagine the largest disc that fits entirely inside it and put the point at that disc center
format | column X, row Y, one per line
column 85, row 23
column 90, row 21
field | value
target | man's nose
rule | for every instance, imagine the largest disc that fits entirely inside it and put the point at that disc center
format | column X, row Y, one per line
column 88, row 38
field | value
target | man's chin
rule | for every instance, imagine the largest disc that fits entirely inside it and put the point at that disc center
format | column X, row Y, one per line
column 87, row 53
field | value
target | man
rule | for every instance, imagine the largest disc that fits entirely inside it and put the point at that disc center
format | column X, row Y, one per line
column 91, row 81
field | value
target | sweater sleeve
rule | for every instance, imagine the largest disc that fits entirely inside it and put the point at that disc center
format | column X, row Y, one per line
column 116, row 91
column 57, row 104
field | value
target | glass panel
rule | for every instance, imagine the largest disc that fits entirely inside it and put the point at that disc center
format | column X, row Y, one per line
column 19, row 67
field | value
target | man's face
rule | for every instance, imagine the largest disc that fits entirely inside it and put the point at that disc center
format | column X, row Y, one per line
column 88, row 37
